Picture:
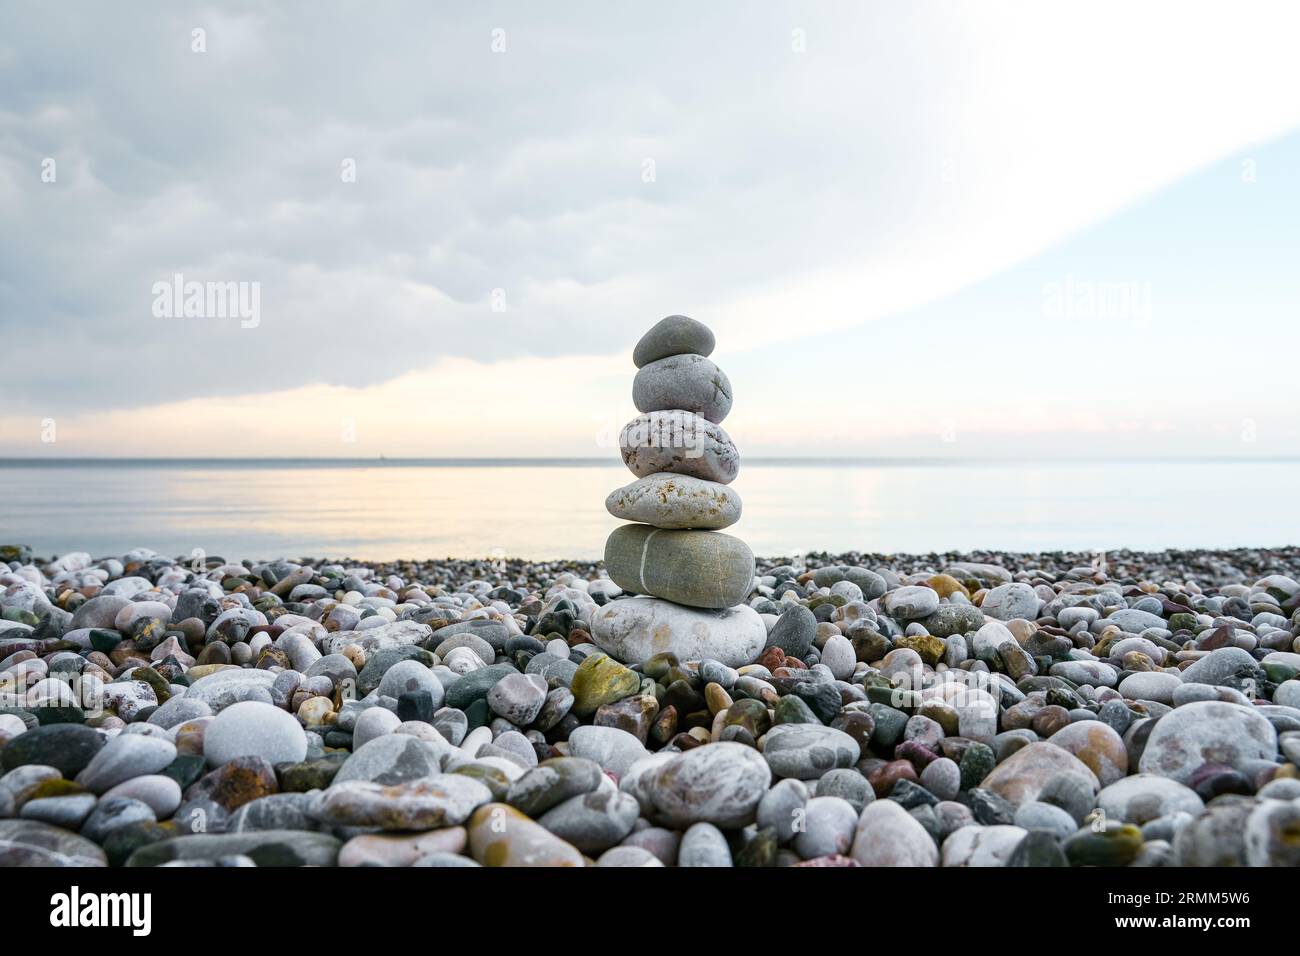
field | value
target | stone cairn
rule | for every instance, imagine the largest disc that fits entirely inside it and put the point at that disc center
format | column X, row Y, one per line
column 691, row 579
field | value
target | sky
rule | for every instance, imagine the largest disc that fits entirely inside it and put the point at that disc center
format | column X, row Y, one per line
column 925, row 229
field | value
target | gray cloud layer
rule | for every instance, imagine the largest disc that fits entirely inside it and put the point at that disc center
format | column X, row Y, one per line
column 477, row 170
column 520, row 170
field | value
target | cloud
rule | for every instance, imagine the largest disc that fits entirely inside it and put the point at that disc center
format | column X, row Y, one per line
column 910, row 150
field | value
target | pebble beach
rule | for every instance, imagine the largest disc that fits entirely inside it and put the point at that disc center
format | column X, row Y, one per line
column 984, row 709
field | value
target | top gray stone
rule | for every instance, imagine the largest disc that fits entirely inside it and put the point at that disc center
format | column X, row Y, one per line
column 674, row 335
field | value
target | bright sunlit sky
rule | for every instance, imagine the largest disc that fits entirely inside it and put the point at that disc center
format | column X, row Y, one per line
column 924, row 229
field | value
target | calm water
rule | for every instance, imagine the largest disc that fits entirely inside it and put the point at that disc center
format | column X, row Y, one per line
column 434, row 509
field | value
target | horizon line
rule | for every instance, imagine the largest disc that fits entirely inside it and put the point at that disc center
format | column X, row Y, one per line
column 591, row 461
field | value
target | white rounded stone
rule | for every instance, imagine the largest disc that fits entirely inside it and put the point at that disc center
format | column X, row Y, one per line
column 254, row 729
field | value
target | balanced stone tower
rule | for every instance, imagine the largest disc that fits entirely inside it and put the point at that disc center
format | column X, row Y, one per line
column 691, row 579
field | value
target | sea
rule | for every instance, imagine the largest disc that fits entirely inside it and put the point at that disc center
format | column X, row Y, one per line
column 544, row 509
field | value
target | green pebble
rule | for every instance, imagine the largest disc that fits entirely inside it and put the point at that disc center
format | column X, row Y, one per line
column 601, row 680
column 59, row 715
column 478, row 714
column 104, row 640
column 976, row 763
column 185, row 769
column 760, row 851
column 1277, row 672
column 1117, row 845
column 889, row 725
column 792, row 710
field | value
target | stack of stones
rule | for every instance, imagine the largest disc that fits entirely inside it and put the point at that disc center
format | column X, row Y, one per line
column 691, row 579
